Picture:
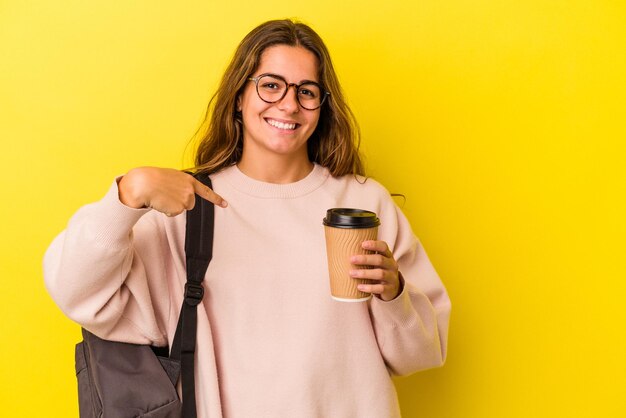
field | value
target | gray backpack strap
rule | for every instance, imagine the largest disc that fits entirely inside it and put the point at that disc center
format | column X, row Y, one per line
column 198, row 251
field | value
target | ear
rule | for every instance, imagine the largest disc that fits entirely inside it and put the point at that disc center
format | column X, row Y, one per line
column 238, row 104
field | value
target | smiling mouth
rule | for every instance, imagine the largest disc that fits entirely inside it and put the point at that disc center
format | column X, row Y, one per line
column 282, row 125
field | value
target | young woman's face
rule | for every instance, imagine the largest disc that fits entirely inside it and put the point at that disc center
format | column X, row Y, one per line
column 281, row 128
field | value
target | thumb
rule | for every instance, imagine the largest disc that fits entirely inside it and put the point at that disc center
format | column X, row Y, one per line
column 207, row 193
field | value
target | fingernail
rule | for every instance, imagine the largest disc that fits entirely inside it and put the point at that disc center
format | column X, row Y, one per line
column 224, row 203
column 354, row 273
column 361, row 287
column 354, row 259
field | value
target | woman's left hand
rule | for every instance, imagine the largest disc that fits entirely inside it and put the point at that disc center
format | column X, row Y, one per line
column 383, row 271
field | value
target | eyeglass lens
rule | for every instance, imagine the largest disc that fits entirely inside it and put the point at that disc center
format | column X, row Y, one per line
column 272, row 89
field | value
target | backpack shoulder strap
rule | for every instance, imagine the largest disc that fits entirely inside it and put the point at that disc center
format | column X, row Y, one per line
column 198, row 253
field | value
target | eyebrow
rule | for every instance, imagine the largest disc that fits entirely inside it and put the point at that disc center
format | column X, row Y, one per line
column 284, row 78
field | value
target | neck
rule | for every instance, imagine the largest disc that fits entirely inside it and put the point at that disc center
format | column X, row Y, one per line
column 275, row 169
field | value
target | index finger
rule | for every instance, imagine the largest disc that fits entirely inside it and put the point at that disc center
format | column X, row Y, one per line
column 207, row 193
column 380, row 247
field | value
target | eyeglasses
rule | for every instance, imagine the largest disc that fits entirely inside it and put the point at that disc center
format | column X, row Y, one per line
column 272, row 88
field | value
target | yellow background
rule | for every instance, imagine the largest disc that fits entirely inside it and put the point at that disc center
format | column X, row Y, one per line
column 503, row 123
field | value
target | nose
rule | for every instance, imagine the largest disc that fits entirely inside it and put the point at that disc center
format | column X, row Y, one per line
column 290, row 102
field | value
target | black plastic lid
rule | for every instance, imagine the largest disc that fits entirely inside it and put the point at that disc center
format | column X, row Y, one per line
column 350, row 218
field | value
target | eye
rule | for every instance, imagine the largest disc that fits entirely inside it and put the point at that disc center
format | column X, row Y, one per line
column 270, row 85
column 309, row 92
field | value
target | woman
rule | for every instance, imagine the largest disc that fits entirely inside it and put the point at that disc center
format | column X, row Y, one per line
column 280, row 148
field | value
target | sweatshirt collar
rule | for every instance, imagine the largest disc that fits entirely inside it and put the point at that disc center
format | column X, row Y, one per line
column 256, row 188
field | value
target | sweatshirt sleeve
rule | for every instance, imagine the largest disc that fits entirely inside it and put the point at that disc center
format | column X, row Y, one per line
column 412, row 329
column 97, row 272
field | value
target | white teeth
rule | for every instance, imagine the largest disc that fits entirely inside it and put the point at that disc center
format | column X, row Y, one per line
column 281, row 125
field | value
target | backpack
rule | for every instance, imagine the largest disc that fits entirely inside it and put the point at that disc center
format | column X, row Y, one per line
column 122, row 380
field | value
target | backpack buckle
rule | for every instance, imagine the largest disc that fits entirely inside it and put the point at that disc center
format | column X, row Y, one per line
column 193, row 293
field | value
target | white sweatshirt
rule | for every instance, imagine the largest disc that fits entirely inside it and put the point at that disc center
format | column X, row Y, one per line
column 271, row 341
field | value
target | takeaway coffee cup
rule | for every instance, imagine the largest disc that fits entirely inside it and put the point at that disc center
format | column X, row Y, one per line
column 346, row 229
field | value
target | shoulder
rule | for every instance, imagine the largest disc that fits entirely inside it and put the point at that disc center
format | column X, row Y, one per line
column 361, row 192
column 361, row 185
column 219, row 174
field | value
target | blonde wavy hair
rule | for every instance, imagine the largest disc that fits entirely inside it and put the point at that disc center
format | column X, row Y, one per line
column 334, row 143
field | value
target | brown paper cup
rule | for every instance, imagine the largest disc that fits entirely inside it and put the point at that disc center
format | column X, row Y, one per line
column 344, row 240
column 340, row 245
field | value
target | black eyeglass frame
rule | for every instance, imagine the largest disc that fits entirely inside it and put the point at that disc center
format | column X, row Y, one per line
column 324, row 93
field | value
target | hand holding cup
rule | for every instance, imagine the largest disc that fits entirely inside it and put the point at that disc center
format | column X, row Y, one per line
column 382, row 272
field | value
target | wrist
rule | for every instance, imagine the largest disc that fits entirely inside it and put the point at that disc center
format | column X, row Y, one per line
column 126, row 196
column 398, row 291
